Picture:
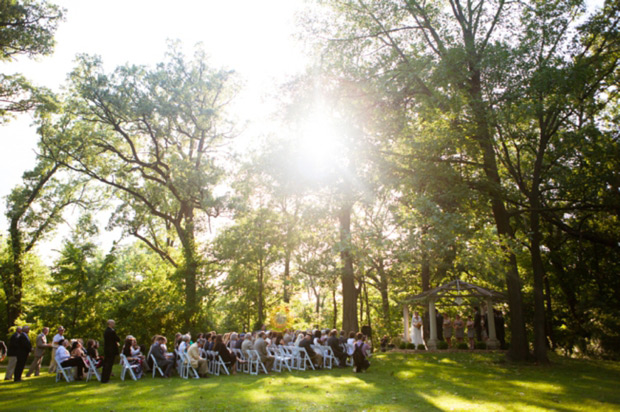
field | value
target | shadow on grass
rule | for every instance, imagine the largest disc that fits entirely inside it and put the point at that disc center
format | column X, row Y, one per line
column 394, row 382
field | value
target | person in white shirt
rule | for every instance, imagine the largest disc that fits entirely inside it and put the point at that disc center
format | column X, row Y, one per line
column 57, row 337
column 64, row 359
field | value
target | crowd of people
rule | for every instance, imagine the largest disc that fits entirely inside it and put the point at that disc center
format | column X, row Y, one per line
column 232, row 348
column 455, row 330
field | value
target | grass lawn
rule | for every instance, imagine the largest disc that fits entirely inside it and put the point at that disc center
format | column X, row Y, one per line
column 395, row 382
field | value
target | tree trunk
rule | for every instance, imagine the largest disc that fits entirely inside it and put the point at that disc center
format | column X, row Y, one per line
column 286, row 276
column 518, row 346
column 385, row 301
column 349, row 293
column 335, row 304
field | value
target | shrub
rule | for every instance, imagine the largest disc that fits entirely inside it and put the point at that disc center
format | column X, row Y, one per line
column 480, row 345
column 410, row 345
column 421, row 347
column 396, row 341
column 462, row 345
column 403, row 345
column 442, row 344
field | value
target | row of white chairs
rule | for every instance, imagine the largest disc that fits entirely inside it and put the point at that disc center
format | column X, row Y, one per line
column 68, row 372
column 285, row 357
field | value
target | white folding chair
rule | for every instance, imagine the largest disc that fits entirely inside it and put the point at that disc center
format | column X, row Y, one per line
column 156, row 367
column 92, row 369
column 328, row 357
column 126, row 366
column 257, row 362
column 305, row 359
column 67, row 372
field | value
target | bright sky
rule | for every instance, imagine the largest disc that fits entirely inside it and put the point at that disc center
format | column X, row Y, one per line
column 254, row 38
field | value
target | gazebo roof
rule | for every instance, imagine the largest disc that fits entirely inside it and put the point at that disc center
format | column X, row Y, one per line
column 454, row 289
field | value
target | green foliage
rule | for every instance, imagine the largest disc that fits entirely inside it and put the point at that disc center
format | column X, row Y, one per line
column 442, row 344
column 462, row 346
column 421, row 347
column 410, row 345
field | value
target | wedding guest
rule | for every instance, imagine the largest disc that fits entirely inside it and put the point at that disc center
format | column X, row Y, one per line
column 447, row 330
column 64, row 359
column 57, row 337
column 247, row 344
column 471, row 332
column 334, row 343
column 40, row 347
column 360, row 353
column 459, row 328
column 24, row 347
column 306, row 343
column 198, row 362
column 228, row 358
column 110, row 350
column 92, row 350
column 260, row 346
column 128, row 351
column 158, row 351
column 12, row 354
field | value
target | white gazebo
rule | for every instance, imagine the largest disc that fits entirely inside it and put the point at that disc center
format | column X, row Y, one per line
column 455, row 292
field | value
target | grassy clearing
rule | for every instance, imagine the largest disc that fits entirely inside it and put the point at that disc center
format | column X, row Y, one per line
column 395, row 382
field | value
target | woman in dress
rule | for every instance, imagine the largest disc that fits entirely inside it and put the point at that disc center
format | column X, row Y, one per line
column 133, row 360
column 459, row 329
column 447, row 330
column 92, row 350
column 228, row 358
column 471, row 332
column 416, row 329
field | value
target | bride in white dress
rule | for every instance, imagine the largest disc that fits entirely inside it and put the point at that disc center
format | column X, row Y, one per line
column 416, row 329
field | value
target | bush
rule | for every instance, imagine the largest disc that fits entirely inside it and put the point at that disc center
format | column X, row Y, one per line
column 480, row 345
column 462, row 345
column 396, row 342
column 403, row 345
column 442, row 344
column 410, row 345
column 421, row 347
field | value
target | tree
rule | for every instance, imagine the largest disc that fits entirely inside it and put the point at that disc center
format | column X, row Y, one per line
column 26, row 28
column 153, row 136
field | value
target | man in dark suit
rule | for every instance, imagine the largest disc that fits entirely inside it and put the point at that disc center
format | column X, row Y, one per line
column 110, row 350
column 23, row 350
column 306, row 343
column 334, row 343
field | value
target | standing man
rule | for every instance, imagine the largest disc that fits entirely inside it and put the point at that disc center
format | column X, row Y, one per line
column 39, row 351
column 23, row 350
column 12, row 354
column 55, row 343
column 110, row 350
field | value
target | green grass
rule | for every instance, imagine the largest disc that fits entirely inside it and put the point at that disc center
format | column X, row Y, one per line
column 394, row 382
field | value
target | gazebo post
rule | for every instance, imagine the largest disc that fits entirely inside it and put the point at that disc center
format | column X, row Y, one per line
column 406, row 322
column 432, row 342
column 492, row 343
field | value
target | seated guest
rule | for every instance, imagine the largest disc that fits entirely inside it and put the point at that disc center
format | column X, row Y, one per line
column 385, row 341
column 232, row 343
column 343, row 338
column 334, row 343
column 279, row 340
column 166, row 363
column 247, row 344
column 128, row 351
column 199, row 363
column 299, row 338
column 64, row 359
column 227, row 357
column 360, row 353
column 178, row 338
column 240, row 340
column 77, row 349
column 317, row 337
column 260, row 346
column 350, row 343
column 287, row 338
column 184, row 345
column 306, row 343
column 92, row 350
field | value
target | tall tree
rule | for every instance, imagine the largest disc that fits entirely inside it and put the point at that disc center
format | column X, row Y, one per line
column 152, row 135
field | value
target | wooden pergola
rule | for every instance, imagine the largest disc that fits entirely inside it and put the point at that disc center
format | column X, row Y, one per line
column 454, row 292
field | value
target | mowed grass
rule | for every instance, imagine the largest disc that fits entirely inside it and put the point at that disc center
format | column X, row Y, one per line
column 395, row 382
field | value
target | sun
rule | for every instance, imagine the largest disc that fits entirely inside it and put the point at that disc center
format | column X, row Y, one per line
column 320, row 145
